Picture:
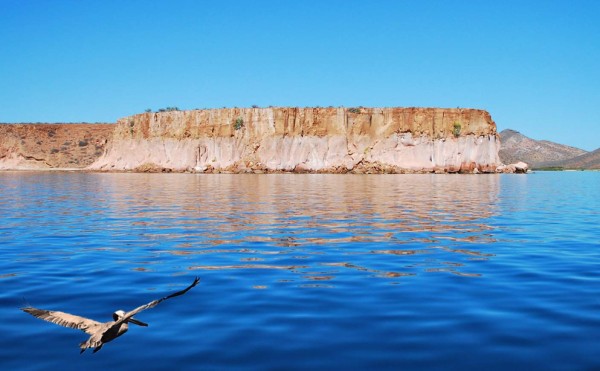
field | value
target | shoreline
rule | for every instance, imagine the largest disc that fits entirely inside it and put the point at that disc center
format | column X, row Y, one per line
column 360, row 140
column 259, row 172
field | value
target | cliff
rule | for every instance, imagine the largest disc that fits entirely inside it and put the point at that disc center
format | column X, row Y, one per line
column 51, row 146
column 305, row 140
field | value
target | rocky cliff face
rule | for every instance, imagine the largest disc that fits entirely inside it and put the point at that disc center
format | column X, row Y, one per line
column 305, row 140
column 50, row 146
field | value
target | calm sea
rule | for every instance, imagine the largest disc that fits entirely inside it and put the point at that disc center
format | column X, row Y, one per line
column 304, row 271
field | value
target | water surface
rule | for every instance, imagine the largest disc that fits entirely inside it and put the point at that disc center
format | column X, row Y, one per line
column 305, row 271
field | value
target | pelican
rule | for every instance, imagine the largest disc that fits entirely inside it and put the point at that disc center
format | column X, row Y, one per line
column 100, row 333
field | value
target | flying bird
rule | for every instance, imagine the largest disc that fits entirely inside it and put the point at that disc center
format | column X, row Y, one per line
column 100, row 333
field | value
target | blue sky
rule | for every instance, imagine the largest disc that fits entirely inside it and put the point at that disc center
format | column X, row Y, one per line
column 534, row 65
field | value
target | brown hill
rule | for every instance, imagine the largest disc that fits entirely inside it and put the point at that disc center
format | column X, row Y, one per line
column 40, row 146
column 590, row 160
column 517, row 147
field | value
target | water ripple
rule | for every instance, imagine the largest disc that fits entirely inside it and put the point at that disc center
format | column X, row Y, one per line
column 306, row 271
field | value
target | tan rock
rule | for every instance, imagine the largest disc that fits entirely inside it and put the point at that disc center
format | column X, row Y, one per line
column 307, row 140
column 521, row 167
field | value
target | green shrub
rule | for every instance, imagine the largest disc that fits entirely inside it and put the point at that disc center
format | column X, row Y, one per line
column 168, row 109
column 456, row 129
column 239, row 123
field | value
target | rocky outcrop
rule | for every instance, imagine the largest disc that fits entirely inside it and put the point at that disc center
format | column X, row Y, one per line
column 518, row 168
column 360, row 140
column 52, row 146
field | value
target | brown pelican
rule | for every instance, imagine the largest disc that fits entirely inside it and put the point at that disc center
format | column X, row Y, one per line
column 100, row 333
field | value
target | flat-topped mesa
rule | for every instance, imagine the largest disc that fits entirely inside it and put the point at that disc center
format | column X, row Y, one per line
column 306, row 140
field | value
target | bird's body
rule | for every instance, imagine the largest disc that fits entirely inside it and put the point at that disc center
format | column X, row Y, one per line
column 100, row 333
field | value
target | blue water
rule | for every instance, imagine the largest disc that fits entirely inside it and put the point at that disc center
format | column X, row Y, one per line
column 304, row 271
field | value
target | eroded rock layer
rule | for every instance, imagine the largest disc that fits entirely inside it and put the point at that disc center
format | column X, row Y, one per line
column 305, row 140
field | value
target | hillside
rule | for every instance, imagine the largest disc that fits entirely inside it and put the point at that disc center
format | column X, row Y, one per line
column 590, row 160
column 515, row 147
column 51, row 146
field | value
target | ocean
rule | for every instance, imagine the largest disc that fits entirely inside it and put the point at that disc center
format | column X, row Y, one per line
column 304, row 271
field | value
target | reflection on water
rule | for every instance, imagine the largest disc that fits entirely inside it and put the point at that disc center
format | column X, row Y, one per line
column 305, row 271
column 299, row 223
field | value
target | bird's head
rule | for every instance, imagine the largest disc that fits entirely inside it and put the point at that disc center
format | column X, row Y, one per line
column 120, row 314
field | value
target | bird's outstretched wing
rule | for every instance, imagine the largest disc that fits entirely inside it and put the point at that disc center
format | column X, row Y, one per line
column 64, row 319
column 154, row 303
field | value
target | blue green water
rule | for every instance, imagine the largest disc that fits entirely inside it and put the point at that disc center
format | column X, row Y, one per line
column 304, row 271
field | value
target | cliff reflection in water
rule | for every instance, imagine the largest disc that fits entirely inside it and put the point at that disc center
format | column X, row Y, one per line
column 312, row 226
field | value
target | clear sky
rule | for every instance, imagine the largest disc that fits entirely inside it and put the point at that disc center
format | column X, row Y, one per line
column 534, row 65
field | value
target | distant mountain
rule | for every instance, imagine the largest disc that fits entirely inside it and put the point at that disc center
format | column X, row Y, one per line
column 590, row 160
column 517, row 147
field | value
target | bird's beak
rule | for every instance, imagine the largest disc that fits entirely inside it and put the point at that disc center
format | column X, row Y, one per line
column 139, row 323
